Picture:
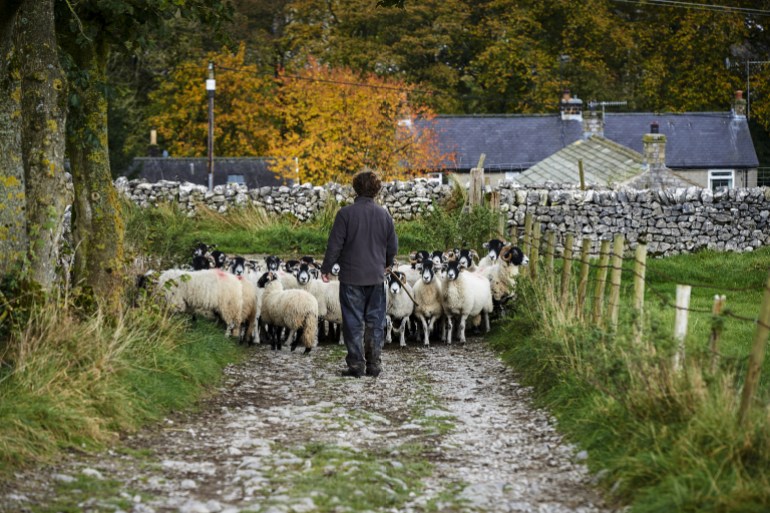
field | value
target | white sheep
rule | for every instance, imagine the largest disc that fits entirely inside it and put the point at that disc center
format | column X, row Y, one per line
column 494, row 247
column 252, row 299
column 294, row 309
column 502, row 275
column 427, row 296
column 399, row 305
column 204, row 291
column 464, row 294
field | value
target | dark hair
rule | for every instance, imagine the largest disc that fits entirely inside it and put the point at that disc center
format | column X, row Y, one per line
column 367, row 183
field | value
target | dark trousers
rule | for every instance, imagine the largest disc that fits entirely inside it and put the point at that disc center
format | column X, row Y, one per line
column 363, row 325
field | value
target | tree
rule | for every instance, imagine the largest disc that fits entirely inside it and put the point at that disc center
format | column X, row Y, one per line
column 243, row 121
column 13, row 223
column 337, row 123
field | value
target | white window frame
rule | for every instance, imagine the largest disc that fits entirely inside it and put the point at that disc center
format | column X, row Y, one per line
column 720, row 175
column 236, row 178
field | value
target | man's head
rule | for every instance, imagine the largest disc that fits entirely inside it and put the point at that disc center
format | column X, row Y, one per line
column 367, row 183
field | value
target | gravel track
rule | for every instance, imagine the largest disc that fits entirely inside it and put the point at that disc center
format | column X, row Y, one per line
column 242, row 450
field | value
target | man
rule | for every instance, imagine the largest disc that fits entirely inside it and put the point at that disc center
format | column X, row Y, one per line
column 363, row 242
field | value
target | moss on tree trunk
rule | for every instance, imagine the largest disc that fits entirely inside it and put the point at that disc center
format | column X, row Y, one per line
column 43, row 121
column 98, row 224
column 13, row 226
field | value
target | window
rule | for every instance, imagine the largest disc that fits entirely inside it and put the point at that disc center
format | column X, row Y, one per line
column 720, row 180
column 236, row 179
column 763, row 177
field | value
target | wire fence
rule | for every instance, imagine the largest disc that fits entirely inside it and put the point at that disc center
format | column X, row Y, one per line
column 605, row 306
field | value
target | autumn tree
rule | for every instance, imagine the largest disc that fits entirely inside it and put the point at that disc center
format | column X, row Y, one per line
column 243, row 122
column 337, row 123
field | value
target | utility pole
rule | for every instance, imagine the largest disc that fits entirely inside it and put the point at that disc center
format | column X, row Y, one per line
column 748, row 65
column 211, row 86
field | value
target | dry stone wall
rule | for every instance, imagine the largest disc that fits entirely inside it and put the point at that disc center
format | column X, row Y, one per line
column 670, row 221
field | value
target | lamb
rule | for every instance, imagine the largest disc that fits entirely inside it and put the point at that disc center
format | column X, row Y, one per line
column 399, row 305
column 427, row 295
column 296, row 310
column 208, row 290
column 464, row 294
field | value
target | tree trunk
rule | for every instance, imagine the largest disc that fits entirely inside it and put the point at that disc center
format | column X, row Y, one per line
column 98, row 225
column 43, row 103
column 13, row 226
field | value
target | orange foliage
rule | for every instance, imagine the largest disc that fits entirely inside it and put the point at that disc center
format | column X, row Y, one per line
column 242, row 121
column 338, row 123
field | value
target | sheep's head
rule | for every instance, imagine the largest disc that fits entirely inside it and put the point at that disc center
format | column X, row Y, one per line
column 238, row 266
column 513, row 255
column 273, row 262
column 395, row 281
column 453, row 270
column 438, row 257
column 466, row 257
column 219, row 259
column 266, row 278
column 303, row 274
column 494, row 247
column 427, row 272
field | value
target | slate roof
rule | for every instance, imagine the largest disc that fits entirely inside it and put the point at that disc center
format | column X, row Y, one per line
column 255, row 170
column 604, row 163
column 708, row 140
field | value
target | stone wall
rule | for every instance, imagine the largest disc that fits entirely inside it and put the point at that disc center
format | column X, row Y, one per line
column 670, row 221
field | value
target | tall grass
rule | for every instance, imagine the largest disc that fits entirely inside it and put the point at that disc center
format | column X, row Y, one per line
column 665, row 440
column 71, row 381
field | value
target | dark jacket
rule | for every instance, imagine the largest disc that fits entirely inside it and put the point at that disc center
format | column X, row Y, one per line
column 363, row 241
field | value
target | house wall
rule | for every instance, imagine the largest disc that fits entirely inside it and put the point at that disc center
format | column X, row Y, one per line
column 669, row 221
column 742, row 177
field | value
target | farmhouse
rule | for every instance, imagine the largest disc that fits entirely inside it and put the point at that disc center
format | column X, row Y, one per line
column 707, row 149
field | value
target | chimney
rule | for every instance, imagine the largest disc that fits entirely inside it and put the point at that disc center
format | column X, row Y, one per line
column 593, row 124
column 570, row 108
column 739, row 104
column 655, row 154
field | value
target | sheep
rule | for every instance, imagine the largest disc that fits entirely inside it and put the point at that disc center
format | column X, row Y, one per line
column 220, row 259
column 464, row 294
column 399, row 304
column 306, row 281
column 502, row 274
column 410, row 270
column 252, row 300
column 296, row 310
column 209, row 290
column 427, row 296
column 201, row 257
column 493, row 247
column 466, row 258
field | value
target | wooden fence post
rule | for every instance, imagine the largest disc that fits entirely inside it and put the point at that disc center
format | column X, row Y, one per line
column 716, row 330
column 615, row 279
column 566, row 271
column 757, row 357
column 585, row 268
column 582, row 175
column 535, row 252
column 601, row 281
column 527, row 243
column 476, row 186
column 680, row 323
column 550, row 251
column 640, row 268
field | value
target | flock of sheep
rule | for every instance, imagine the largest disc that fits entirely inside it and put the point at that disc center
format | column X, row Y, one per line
column 288, row 302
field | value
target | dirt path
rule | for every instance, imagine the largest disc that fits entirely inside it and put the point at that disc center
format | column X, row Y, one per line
column 444, row 428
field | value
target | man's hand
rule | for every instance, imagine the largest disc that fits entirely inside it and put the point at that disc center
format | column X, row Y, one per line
column 325, row 277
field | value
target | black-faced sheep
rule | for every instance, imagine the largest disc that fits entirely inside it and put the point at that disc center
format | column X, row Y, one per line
column 399, row 306
column 493, row 247
column 464, row 294
column 252, row 299
column 205, row 291
column 502, row 275
column 427, row 295
column 296, row 310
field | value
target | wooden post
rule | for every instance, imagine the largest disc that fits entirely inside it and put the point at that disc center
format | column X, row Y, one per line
column 640, row 268
column 601, row 281
column 550, row 250
column 757, row 357
column 535, row 254
column 585, row 267
column 527, row 243
column 514, row 234
column 566, row 270
column 615, row 278
column 582, row 175
column 476, row 186
column 680, row 323
column 716, row 330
